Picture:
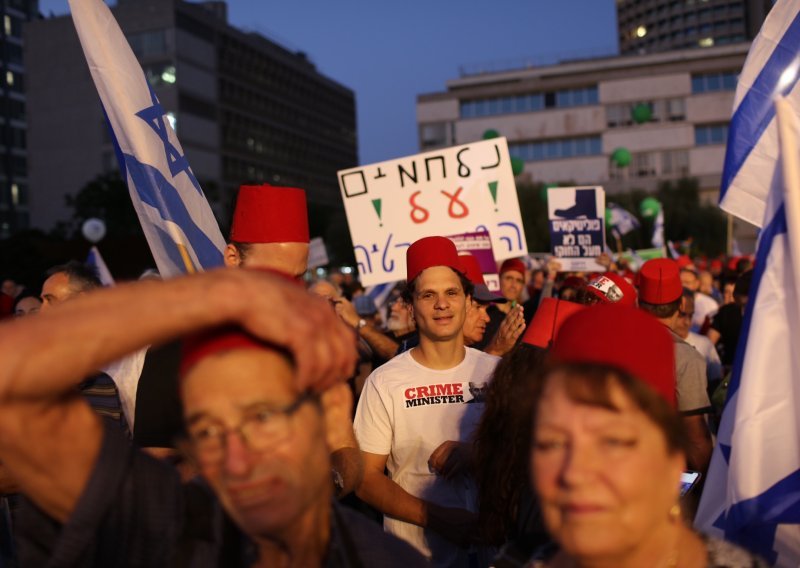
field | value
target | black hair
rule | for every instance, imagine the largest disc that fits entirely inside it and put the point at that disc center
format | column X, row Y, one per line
column 410, row 288
column 82, row 277
column 661, row 311
column 243, row 249
column 742, row 286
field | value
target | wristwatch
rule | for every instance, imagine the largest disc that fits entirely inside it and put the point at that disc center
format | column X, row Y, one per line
column 361, row 323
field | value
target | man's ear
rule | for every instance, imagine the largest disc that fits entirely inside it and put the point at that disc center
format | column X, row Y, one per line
column 232, row 257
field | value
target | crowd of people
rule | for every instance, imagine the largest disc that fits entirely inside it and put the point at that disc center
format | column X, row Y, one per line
column 244, row 416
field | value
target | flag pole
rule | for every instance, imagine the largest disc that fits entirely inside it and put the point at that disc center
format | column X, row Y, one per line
column 790, row 156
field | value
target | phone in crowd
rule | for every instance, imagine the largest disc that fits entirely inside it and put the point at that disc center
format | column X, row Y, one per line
column 688, row 480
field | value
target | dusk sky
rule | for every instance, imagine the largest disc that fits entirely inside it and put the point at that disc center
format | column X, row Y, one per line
column 389, row 52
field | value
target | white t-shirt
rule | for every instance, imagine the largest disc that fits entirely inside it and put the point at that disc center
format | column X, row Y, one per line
column 406, row 411
column 706, row 349
column 704, row 306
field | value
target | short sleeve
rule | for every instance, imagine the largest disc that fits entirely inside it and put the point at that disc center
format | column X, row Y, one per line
column 373, row 422
column 691, row 381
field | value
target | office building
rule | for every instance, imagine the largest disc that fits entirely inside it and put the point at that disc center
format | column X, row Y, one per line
column 245, row 108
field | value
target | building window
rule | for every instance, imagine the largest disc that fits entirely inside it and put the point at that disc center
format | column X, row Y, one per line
column 147, row 44
column 433, row 135
column 557, row 149
column 675, row 162
column 710, row 82
column 708, row 134
column 529, row 103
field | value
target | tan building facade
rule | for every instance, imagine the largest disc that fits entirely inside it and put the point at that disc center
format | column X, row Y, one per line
column 566, row 120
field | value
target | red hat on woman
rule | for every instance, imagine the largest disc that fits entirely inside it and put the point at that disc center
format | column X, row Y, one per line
column 269, row 214
column 622, row 337
column 431, row 251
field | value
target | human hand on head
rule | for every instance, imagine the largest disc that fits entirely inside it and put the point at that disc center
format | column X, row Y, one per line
column 347, row 311
column 277, row 310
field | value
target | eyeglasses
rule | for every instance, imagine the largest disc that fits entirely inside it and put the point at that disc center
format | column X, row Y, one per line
column 262, row 428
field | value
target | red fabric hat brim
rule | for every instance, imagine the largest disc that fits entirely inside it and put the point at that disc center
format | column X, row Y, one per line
column 269, row 214
column 547, row 321
column 197, row 347
column 621, row 337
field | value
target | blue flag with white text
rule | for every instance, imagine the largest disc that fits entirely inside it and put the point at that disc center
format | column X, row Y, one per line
column 771, row 69
column 752, row 492
column 176, row 218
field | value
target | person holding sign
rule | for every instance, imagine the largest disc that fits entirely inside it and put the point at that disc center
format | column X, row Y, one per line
column 418, row 411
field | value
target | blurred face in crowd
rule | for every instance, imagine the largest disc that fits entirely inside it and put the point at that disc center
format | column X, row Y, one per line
column 475, row 322
column 10, row 288
column 440, row 304
column 27, row 306
column 267, row 466
column 511, row 285
column 400, row 320
column 689, row 280
column 56, row 290
column 727, row 293
column 537, row 280
column 685, row 313
column 605, row 478
column 706, row 283
column 289, row 258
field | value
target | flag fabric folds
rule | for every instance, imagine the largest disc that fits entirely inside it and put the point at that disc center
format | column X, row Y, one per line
column 752, row 494
column 657, row 240
column 176, row 218
column 621, row 221
column 771, row 69
column 95, row 260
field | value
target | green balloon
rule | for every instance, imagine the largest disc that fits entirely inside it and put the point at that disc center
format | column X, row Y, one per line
column 608, row 217
column 649, row 207
column 641, row 113
column 621, row 157
column 491, row 133
column 517, row 165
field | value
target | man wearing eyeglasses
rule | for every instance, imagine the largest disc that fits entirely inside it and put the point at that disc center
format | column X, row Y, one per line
column 254, row 429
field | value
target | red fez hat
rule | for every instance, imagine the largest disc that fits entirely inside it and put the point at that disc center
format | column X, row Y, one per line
column 472, row 270
column 732, row 262
column 611, row 288
column 684, row 261
column 428, row 252
column 660, row 281
column 716, row 264
column 547, row 321
column 624, row 338
column 512, row 264
column 269, row 214
column 196, row 347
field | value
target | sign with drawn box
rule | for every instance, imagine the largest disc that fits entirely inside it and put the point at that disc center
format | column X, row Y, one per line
column 462, row 189
column 577, row 227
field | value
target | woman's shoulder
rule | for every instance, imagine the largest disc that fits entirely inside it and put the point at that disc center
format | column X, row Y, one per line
column 723, row 554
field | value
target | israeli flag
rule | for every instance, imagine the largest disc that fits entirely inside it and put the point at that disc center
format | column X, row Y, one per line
column 621, row 220
column 95, row 260
column 771, row 69
column 752, row 494
column 180, row 228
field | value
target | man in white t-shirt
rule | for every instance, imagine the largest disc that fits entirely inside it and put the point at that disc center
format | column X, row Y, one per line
column 705, row 306
column 416, row 414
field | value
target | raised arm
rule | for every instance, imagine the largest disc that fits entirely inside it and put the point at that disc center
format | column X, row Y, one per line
column 49, row 438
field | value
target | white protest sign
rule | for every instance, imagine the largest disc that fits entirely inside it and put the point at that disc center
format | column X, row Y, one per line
column 479, row 245
column 462, row 189
column 577, row 227
column 317, row 253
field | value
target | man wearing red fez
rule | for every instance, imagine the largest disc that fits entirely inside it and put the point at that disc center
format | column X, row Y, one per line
column 270, row 230
column 506, row 319
column 660, row 294
column 417, row 413
column 253, row 428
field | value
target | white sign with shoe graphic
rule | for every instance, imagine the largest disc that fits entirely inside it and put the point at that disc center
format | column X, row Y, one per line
column 577, row 227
